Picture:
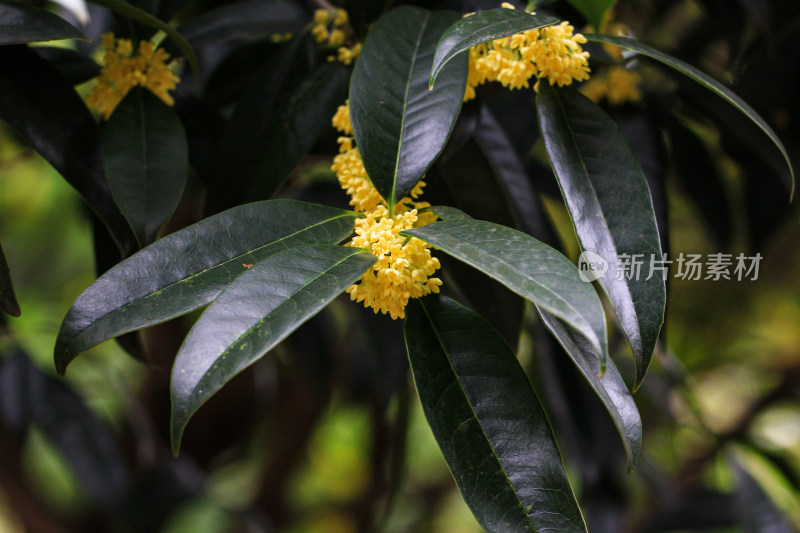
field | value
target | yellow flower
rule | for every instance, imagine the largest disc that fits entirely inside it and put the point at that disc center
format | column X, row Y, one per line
column 348, row 55
column 404, row 268
column 123, row 70
column 553, row 53
column 616, row 84
column 331, row 28
column 405, row 265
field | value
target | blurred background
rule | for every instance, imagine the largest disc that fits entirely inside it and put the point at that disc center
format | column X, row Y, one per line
column 327, row 435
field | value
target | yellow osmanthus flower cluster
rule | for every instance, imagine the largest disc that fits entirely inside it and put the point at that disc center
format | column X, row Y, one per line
column 405, row 267
column 123, row 70
column 553, row 53
column 332, row 28
column 617, row 84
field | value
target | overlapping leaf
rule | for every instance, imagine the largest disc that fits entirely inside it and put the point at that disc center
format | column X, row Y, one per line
column 610, row 388
column 609, row 201
column 488, row 421
column 400, row 126
column 481, row 27
column 528, row 267
column 708, row 82
column 258, row 310
column 54, row 120
column 189, row 268
column 147, row 161
column 22, row 23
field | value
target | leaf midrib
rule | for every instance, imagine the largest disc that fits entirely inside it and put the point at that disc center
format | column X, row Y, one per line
column 522, row 274
column 596, row 203
column 522, row 506
column 306, row 283
column 409, row 80
column 194, row 275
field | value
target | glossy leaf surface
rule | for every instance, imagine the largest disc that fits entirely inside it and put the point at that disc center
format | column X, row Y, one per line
column 189, row 268
column 488, row 421
column 147, row 161
column 258, row 310
column 481, row 27
column 400, row 126
column 610, row 388
column 706, row 81
column 528, row 267
column 22, row 23
column 609, row 201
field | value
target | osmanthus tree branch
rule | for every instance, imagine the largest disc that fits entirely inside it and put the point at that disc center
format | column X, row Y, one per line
column 322, row 4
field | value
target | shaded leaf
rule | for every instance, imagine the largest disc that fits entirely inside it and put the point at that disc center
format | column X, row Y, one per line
column 28, row 396
column 487, row 421
column 303, row 117
column 513, row 178
column 242, row 22
column 706, row 81
column 258, row 310
column 74, row 66
column 23, row 23
column 362, row 13
column 610, row 388
column 8, row 300
column 609, row 201
column 147, row 161
column 528, row 267
column 400, row 126
column 189, row 268
column 254, row 122
column 481, row 27
column 134, row 13
column 593, row 10
column 54, row 120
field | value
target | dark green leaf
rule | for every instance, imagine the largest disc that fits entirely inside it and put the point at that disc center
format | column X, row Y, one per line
column 51, row 116
column 593, row 10
column 706, row 81
column 298, row 125
column 610, row 388
column 243, row 22
column 481, row 27
column 487, row 420
column 147, row 161
column 258, row 310
column 74, row 66
column 254, row 123
column 8, row 300
column 134, row 13
column 189, row 268
column 362, row 13
column 609, row 201
column 400, row 126
column 22, row 23
column 526, row 266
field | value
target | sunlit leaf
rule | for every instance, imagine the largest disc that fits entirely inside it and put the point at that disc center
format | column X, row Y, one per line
column 609, row 201
column 189, row 268
column 528, row 267
column 400, row 126
column 258, row 310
